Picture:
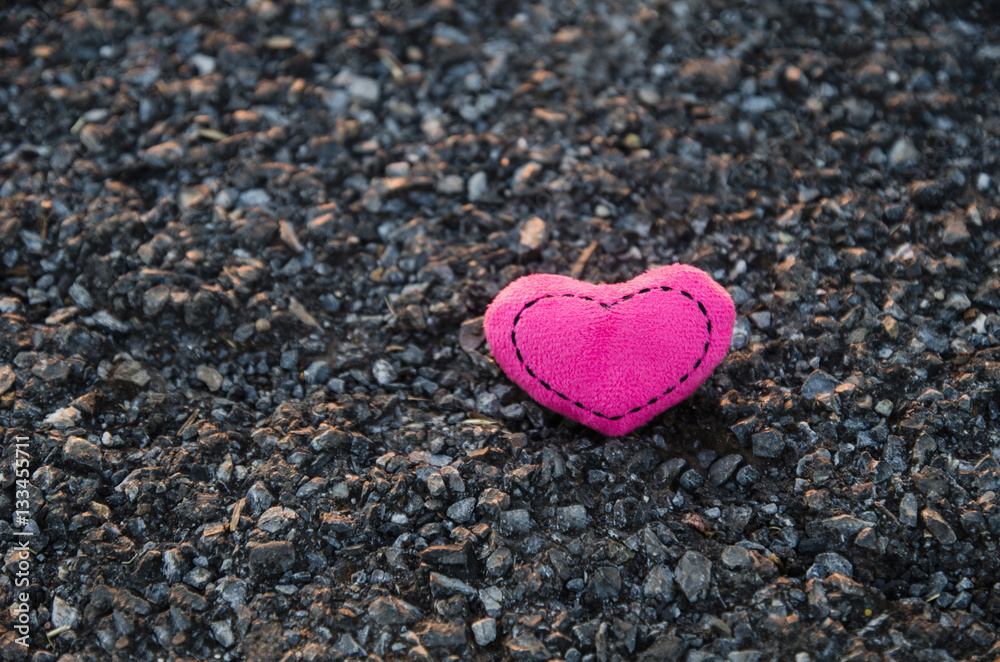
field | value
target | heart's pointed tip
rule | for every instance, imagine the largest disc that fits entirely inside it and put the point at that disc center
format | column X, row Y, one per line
column 611, row 433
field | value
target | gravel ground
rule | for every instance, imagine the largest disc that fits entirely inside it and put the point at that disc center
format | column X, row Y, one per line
column 246, row 248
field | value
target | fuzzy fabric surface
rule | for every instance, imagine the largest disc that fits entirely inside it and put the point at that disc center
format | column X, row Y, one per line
column 611, row 356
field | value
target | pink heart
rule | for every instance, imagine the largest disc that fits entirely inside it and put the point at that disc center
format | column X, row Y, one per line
column 611, row 356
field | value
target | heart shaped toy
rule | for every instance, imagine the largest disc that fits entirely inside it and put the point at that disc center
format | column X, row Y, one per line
column 611, row 356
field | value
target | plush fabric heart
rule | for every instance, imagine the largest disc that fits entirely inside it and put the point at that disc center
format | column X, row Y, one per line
column 611, row 356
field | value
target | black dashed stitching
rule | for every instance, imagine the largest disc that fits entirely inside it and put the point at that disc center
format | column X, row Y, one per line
column 664, row 288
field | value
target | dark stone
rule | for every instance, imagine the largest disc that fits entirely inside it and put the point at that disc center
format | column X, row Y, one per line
column 441, row 635
column 691, row 480
column 271, row 558
column 605, row 582
column 666, row 647
column 81, row 452
column 723, row 468
column 668, row 471
column 445, row 555
column 527, row 647
column 768, row 443
column 388, row 610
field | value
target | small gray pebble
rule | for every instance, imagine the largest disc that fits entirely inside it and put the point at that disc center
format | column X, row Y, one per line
column 747, row 476
column 691, row 480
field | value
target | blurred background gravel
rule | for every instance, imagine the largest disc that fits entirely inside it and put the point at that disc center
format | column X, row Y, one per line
column 246, row 247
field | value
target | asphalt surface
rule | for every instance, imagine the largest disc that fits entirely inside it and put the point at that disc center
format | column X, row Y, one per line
column 248, row 411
